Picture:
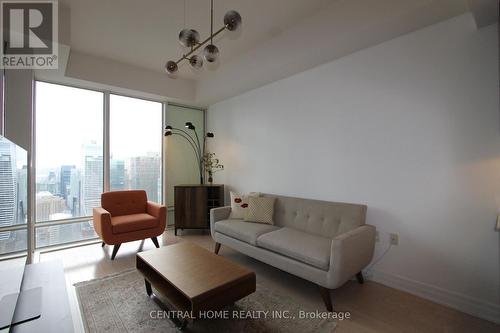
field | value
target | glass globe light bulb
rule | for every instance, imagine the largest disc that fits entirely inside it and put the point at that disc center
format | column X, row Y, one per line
column 210, row 53
column 189, row 37
column 171, row 67
column 196, row 62
column 232, row 20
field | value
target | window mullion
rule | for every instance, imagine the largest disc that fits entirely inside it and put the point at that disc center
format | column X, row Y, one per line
column 106, row 152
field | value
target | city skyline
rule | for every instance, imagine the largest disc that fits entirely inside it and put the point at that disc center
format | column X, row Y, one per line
column 69, row 184
column 13, row 195
column 67, row 191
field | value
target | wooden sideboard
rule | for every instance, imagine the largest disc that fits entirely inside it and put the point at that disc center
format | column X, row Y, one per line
column 193, row 203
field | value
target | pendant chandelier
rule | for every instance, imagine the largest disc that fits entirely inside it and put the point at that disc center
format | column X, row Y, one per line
column 191, row 38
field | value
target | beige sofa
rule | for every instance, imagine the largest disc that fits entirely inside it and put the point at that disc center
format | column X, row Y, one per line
column 327, row 243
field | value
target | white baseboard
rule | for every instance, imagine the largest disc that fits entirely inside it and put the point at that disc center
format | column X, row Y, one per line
column 467, row 304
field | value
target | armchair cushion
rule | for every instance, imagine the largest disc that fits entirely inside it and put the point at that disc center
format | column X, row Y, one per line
column 310, row 249
column 119, row 203
column 133, row 222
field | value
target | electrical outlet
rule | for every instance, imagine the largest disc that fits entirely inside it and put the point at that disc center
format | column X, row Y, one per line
column 394, row 239
column 377, row 236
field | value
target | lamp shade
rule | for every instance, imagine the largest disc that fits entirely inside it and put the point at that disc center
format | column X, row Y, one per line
column 168, row 130
column 189, row 125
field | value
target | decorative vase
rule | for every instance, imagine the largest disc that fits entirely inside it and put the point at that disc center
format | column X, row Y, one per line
column 210, row 178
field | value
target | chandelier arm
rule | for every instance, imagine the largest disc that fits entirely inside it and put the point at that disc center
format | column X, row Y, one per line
column 185, row 56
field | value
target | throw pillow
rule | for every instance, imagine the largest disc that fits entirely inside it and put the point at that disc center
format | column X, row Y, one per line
column 239, row 204
column 260, row 209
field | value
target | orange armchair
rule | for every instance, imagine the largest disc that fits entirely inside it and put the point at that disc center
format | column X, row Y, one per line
column 127, row 216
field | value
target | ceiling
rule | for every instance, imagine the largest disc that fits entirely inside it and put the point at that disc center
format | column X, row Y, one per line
column 125, row 44
column 145, row 33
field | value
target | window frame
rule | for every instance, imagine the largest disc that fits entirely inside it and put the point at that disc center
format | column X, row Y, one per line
column 106, row 160
column 32, row 225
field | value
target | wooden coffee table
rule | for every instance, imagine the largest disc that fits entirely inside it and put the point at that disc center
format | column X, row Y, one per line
column 192, row 279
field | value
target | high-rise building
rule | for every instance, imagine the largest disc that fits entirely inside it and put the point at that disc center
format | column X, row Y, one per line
column 52, row 183
column 73, row 199
column 22, row 194
column 117, row 175
column 92, row 177
column 144, row 174
column 48, row 205
column 65, row 179
column 8, row 185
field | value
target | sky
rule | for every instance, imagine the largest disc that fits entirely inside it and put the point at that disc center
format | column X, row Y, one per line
column 67, row 118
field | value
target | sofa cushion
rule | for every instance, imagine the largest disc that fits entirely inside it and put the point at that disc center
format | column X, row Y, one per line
column 307, row 248
column 260, row 210
column 320, row 218
column 239, row 204
column 133, row 222
column 244, row 231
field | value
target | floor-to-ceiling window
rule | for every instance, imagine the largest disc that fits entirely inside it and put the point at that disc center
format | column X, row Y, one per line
column 87, row 142
column 135, row 138
column 69, row 161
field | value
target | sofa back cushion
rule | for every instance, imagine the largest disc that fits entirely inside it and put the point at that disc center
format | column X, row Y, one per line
column 120, row 203
column 322, row 218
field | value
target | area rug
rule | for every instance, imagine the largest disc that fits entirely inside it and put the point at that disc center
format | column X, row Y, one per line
column 118, row 303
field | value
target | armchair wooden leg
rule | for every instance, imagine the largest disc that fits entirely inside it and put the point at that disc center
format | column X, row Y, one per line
column 102, row 245
column 115, row 251
column 360, row 278
column 155, row 241
column 325, row 294
column 217, row 248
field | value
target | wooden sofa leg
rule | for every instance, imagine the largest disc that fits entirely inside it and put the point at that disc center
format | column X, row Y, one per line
column 325, row 294
column 102, row 245
column 217, row 248
column 155, row 241
column 360, row 278
column 115, row 251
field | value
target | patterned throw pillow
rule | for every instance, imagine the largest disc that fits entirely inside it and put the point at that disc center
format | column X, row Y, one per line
column 239, row 204
column 260, row 210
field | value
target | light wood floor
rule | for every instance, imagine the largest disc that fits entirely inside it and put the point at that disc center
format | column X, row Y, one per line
column 373, row 307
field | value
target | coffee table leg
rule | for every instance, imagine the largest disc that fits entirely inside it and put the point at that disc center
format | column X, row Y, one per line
column 149, row 291
column 180, row 324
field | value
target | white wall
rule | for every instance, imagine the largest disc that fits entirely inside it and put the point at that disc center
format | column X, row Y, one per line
column 411, row 128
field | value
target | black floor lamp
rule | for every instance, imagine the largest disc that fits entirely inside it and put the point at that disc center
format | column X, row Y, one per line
column 198, row 150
